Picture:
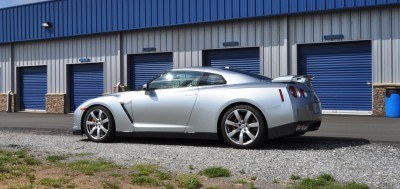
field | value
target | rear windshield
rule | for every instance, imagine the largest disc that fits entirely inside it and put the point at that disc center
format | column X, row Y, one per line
column 261, row 77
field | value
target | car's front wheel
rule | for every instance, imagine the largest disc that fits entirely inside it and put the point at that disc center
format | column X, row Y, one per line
column 99, row 124
column 243, row 126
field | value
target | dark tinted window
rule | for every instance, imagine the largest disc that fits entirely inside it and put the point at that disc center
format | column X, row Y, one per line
column 212, row 79
column 249, row 74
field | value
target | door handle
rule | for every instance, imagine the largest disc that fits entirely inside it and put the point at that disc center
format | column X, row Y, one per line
column 369, row 83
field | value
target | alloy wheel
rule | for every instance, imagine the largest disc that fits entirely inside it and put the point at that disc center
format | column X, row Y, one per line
column 242, row 126
column 97, row 124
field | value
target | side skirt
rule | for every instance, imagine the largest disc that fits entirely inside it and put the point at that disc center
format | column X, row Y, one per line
column 208, row 136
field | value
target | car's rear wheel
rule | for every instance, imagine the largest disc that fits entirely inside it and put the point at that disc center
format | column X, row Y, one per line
column 243, row 126
column 99, row 124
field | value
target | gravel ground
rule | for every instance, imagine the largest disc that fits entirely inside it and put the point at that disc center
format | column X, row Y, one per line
column 356, row 160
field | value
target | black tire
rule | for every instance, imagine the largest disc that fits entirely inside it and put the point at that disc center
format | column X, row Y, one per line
column 259, row 134
column 106, row 137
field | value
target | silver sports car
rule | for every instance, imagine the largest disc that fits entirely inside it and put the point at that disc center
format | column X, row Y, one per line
column 244, row 109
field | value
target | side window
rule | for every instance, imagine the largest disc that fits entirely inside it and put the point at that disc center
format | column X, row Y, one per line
column 176, row 79
column 212, row 79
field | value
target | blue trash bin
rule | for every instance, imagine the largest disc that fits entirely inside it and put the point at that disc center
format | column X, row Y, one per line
column 392, row 101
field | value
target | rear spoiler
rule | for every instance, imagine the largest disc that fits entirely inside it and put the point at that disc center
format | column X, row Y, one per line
column 293, row 79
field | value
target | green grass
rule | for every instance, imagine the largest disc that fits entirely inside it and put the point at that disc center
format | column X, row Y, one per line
column 145, row 169
column 55, row 183
column 89, row 167
column 143, row 180
column 32, row 161
column 15, row 164
column 326, row 181
column 253, row 178
column 56, row 158
column 241, row 181
column 189, row 181
column 294, row 177
column 213, row 172
column 117, row 175
column 169, row 186
column 148, row 175
column 191, row 167
column 110, row 185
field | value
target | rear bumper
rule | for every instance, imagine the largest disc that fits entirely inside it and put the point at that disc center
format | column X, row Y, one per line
column 294, row 128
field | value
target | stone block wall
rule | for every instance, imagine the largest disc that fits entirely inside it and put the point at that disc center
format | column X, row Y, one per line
column 3, row 103
column 55, row 103
column 379, row 93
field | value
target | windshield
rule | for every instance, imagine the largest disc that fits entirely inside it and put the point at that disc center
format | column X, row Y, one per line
column 250, row 74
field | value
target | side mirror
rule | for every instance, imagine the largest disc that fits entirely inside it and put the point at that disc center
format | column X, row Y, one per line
column 145, row 87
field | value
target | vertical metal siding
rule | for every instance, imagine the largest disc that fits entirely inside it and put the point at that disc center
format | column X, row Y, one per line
column 86, row 82
column 277, row 37
column 188, row 43
column 33, row 88
column 73, row 17
column 5, row 65
column 341, row 72
column 379, row 25
column 56, row 54
column 145, row 67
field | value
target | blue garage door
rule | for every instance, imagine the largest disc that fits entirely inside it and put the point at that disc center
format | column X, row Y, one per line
column 86, row 82
column 341, row 72
column 145, row 67
column 33, row 88
column 247, row 59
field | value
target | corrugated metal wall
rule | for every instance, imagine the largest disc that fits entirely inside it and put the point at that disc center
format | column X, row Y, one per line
column 188, row 42
column 5, row 65
column 382, row 26
column 57, row 53
column 277, row 38
column 79, row 17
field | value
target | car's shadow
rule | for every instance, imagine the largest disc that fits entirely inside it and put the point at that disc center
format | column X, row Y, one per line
column 288, row 143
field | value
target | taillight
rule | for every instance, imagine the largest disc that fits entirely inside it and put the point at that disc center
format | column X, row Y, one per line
column 293, row 91
column 302, row 93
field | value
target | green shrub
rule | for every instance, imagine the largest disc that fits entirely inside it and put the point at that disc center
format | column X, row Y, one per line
column 213, row 172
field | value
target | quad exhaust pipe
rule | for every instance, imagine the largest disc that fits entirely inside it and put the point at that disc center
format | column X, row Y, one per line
column 302, row 127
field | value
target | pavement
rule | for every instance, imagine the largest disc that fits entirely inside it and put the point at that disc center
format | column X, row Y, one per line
column 334, row 127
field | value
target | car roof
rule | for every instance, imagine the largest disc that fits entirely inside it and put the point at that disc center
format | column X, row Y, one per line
column 230, row 76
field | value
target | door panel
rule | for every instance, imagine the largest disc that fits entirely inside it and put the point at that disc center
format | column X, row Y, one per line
column 166, row 110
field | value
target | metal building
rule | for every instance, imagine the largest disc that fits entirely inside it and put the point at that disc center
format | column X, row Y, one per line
column 56, row 54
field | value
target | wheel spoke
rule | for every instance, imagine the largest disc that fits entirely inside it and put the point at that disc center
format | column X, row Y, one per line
column 90, row 123
column 250, row 135
column 237, row 115
column 98, row 132
column 100, row 113
column 92, row 130
column 104, row 121
column 230, row 135
column 255, row 124
column 231, row 123
column 241, row 138
column 104, row 129
column 93, row 116
column 246, row 118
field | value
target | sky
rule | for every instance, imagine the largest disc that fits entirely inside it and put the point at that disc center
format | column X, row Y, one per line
column 11, row 3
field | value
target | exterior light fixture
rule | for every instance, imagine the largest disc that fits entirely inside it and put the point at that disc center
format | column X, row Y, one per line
column 47, row 25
